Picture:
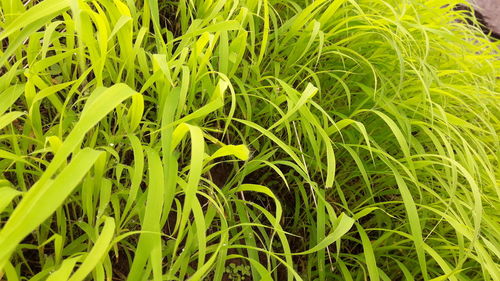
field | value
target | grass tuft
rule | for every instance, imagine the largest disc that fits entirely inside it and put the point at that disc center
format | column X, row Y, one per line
column 248, row 140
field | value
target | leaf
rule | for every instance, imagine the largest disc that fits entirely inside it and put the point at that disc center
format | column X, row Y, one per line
column 240, row 151
column 64, row 270
column 96, row 254
column 6, row 119
column 33, row 208
column 7, row 194
column 9, row 96
column 150, row 242
column 344, row 225
column 369, row 254
column 44, row 9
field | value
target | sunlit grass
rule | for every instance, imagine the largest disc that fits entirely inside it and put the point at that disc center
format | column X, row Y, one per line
column 306, row 140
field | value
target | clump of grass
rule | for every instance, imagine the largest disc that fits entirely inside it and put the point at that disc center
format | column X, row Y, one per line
column 307, row 140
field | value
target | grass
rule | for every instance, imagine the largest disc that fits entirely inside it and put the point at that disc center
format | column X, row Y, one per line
column 294, row 140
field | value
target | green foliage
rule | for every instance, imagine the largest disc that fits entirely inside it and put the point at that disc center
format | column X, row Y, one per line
column 247, row 140
column 237, row 272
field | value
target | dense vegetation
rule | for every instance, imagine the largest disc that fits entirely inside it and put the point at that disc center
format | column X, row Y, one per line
column 247, row 140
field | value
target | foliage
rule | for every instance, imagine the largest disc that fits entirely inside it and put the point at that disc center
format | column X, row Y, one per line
column 313, row 140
